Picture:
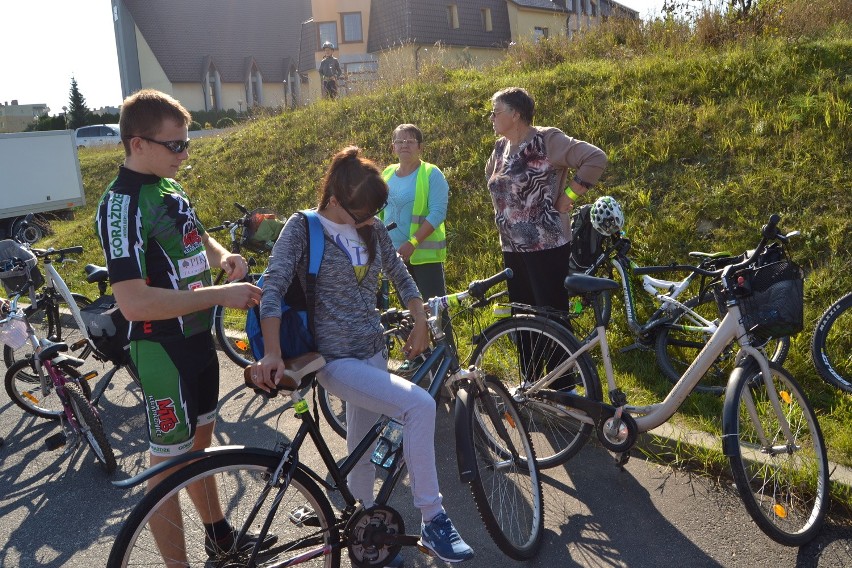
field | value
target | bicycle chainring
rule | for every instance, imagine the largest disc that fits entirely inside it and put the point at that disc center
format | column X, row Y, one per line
column 365, row 549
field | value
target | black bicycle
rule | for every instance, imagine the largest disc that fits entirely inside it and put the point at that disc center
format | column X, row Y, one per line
column 273, row 491
column 255, row 232
column 831, row 347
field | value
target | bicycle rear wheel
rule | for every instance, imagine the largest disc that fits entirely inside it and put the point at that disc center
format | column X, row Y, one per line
column 520, row 351
column 303, row 521
column 831, row 348
column 24, row 388
column 507, row 487
column 230, row 327
column 47, row 323
column 91, row 426
column 678, row 346
column 783, row 483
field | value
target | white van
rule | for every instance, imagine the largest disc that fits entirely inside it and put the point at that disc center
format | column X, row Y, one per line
column 100, row 135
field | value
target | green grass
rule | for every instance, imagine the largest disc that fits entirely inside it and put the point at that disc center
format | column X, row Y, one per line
column 705, row 137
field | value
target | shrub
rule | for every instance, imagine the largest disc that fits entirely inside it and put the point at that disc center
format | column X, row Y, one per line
column 226, row 122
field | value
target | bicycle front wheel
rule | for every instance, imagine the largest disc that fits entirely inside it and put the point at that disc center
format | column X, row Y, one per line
column 507, row 487
column 782, row 482
column 166, row 527
column 47, row 323
column 520, row 351
column 831, row 348
column 91, row 426
column 679, row 343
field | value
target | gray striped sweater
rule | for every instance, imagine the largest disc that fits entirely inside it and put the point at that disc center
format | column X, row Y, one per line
column 346, row 319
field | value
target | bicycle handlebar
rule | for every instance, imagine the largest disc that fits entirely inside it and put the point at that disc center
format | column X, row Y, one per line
column 478, row 288
column 58, row 253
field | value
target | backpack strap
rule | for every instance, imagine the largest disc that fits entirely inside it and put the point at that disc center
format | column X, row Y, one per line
column 314, row 251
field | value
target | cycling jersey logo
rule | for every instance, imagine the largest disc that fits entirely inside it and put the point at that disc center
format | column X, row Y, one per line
column 164, row 415
column 191, row 239
column 119, row 243
column 186, row 222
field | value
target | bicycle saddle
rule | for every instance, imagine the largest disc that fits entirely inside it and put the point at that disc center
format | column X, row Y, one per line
column 585, row 284
column 51, row 352
column 297, row 372
column 95, row 273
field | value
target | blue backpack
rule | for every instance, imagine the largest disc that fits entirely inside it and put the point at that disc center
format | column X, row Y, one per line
column 297, row 305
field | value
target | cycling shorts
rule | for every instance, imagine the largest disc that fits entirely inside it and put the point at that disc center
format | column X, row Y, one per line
column 180, row 385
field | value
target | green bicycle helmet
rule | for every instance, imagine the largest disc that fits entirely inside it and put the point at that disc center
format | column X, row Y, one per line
column 607, row 217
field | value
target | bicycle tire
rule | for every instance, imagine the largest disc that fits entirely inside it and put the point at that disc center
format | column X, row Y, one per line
column 230, row 327
column 91, row 426
column 507, row 489
column 333, row 409
column 241, row 479
column 785, row 492
column 44, row 322
column 831, row 347
column 677, row 348
column 508, row 347
column 25, row 391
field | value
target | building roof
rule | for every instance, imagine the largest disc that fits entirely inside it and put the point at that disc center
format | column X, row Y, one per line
column 542, row 5
column 230, row 33
column 424, row 22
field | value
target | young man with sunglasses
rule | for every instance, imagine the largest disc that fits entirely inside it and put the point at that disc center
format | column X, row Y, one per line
column 159, row 258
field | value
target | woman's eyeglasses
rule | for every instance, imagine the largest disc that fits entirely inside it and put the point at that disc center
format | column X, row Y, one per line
column 362, row 218
column 404, row 141
column 494, row 113
column 176, row 146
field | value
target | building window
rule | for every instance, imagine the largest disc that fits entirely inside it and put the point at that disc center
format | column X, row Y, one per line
column 486, row 19
column 453, row 16
column 327, row 32
column 352, row 27
column 539, row 33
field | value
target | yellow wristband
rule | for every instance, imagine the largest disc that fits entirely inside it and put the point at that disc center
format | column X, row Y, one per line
column 414, row 242
column 570, row 193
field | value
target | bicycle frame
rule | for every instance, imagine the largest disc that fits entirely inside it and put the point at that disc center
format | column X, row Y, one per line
column 650, row 416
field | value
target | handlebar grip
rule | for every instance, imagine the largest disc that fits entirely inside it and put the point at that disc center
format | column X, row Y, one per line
column 216, row 229
column 478, row 288
column 770, row 230
column 391, row 226
column 241, row 208
column 70, row 250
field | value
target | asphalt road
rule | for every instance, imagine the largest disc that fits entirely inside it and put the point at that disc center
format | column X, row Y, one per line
column 59, row 509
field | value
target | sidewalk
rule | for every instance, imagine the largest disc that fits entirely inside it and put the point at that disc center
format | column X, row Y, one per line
column 668, row 437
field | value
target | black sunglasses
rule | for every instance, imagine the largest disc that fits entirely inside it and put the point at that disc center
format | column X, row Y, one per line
column 176, row 146
column 358, row 220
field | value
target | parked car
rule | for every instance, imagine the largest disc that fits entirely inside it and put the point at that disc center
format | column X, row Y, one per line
column 100, row 135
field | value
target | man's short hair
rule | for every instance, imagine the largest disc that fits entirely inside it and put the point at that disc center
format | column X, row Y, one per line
column 143, row 114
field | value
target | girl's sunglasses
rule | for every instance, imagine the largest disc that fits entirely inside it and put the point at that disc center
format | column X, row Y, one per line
column 362, row 218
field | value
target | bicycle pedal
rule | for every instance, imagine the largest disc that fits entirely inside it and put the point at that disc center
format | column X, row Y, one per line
column 56, row 441
column 622, row 458
column 304, row 516
column 79, row 344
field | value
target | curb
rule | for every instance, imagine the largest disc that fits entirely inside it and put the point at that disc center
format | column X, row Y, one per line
column 667, row 438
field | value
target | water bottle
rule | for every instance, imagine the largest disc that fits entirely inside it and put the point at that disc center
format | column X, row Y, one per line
column 388, row 445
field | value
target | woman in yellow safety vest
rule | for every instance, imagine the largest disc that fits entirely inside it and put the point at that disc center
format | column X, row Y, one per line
column 417, row 203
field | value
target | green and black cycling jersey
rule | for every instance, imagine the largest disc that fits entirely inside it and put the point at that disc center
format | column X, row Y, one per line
column 148, row 230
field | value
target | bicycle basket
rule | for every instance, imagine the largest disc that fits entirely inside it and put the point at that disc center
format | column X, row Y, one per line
column 13, row 275
column 262, row 230
column 775, row 306
column 13, row 331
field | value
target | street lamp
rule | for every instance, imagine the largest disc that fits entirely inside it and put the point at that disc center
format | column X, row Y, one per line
column 240, row 102
column 65, row 116
column 285, row 92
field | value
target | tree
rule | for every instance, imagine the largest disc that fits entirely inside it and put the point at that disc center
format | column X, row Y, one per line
column 78, row 113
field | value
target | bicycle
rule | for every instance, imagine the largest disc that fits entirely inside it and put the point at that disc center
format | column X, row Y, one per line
column 831, row 349
column 78, row 416
column 676, row 330
column 26, row 382
column 771, row 436
column 273, row 488
column 246, row 233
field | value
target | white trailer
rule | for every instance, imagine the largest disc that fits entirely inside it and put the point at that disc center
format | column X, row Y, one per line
column 39, row 173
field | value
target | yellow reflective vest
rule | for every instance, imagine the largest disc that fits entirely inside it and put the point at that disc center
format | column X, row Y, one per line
column 434, row 248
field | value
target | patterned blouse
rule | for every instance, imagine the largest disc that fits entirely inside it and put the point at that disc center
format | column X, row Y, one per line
column 525, row 185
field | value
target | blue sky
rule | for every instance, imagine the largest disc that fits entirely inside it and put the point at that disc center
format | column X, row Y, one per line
column 46, row 42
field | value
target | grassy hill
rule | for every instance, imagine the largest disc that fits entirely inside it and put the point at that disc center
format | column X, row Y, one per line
column 705, row 139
